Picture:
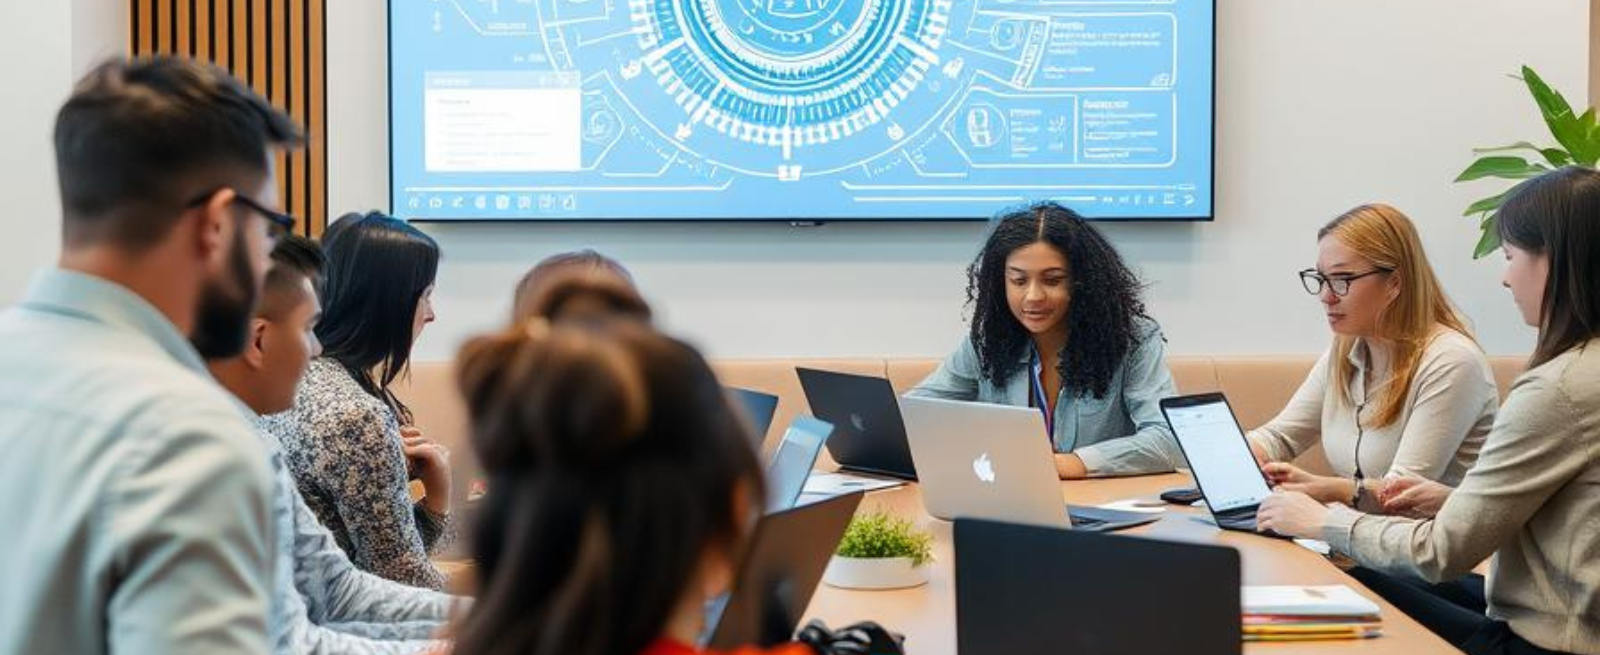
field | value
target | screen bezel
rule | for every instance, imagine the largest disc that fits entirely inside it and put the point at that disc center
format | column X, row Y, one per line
column 1208, row 216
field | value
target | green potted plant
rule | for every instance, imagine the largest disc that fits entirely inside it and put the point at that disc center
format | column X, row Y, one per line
column 1577, row 143
column 879, row 551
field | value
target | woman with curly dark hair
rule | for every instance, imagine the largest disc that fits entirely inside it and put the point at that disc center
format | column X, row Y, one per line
column 1047, row 287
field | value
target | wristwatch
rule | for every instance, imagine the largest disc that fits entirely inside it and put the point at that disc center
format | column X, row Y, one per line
column 1361, row 492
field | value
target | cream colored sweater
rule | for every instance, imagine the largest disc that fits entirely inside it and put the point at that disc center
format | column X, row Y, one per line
column 1532, row 501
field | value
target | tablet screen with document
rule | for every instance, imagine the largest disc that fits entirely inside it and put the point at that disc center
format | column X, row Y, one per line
column 1218, row 453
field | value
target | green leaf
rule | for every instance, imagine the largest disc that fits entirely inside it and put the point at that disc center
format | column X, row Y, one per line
column 1489, row 241
column 1488, row 204
column 1592, row 127
column 1551, row 103
column 1504, row 167
column 1564, row 125
column 1590, row 137
column 1520, row 145
column 1555, row 156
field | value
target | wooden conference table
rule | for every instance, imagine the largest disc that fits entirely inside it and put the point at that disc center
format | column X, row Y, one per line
column 927, row 615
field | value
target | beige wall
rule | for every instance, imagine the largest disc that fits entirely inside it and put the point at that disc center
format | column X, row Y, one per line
column 46, row 44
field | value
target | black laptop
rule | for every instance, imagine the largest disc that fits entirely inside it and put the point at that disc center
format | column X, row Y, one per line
column 778, row 574
column 1219, row 457
column 1027, row 590
column 868, row 433
column 759, row 408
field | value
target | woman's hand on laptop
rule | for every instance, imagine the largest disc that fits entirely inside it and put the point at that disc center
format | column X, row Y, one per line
column 1326, row 489
column 1291, row 514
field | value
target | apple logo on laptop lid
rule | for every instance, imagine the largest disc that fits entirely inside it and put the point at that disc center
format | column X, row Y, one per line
column 983, row 468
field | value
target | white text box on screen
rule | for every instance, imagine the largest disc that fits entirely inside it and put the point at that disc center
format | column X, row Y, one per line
column 490, row 130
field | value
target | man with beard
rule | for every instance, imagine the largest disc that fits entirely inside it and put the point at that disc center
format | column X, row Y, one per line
column 136, row 494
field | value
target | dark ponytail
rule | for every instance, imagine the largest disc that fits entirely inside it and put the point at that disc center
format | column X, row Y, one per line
column 614, row 461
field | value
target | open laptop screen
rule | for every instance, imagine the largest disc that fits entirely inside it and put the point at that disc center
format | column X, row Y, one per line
column 792, row 461
column 759, row 408
column 1217, row 452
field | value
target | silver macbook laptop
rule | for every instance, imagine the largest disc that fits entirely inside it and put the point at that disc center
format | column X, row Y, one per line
column 993, row 462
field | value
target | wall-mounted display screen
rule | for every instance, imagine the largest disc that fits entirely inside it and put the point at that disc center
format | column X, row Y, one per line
column 799, row 109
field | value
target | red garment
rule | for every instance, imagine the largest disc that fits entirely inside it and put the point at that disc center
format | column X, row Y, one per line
column 671, row 647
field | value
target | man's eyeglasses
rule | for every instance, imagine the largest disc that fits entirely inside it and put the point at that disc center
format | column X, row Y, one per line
column 1338, row 283
column 279, row 224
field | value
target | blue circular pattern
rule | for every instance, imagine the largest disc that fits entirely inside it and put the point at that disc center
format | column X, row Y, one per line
column 777, row 72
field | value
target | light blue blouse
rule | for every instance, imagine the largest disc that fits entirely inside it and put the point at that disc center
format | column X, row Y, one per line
column 1123, row 433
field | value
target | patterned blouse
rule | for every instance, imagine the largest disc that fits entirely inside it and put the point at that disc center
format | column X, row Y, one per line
column 323, row 605
column 343, row 446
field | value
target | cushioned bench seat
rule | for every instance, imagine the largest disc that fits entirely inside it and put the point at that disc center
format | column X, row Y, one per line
column 1257, row 387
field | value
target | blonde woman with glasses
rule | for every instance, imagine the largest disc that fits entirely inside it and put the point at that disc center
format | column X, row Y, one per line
column 1404, row 391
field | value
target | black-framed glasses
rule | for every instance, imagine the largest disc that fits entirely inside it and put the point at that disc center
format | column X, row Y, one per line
column 1338, row 283
column 279, row 224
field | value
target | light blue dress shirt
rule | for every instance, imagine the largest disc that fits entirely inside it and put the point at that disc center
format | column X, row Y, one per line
column 136, row 495
column 1123, row 433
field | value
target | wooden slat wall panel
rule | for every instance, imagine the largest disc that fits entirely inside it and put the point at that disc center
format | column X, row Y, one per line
column 256, row 19
column 267, row 49
column 239, row 58
column 142, row 24
column 294, row 66
column 202, row 28
column 317, row 111
column 278, row 47
column 164, row 27
column 182, row 21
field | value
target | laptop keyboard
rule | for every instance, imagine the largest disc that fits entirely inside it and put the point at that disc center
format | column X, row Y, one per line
column 1082, row 520
column 1086, row 523
column 1097, row 519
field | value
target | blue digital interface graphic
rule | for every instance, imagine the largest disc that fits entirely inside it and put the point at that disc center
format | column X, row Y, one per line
column 799, row 109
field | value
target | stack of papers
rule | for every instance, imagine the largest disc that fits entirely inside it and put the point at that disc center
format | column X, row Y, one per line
column 1308, row 613
column 838, row 484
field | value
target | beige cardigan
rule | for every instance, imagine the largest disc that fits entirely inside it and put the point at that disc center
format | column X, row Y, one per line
column 1532, row 500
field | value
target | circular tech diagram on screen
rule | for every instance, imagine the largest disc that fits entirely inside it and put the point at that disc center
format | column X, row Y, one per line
column 840, row 108
column 793, row 76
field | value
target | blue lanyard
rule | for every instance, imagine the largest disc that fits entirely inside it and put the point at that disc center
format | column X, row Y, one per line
column 1046, row 407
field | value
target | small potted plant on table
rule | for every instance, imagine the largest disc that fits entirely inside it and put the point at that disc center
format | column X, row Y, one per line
column 880, row 551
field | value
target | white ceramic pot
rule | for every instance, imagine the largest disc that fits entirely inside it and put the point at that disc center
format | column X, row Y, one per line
column 883, row 573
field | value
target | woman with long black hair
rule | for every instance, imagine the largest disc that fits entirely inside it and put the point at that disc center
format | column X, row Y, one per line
column 349, row 440
column 1058, row 323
